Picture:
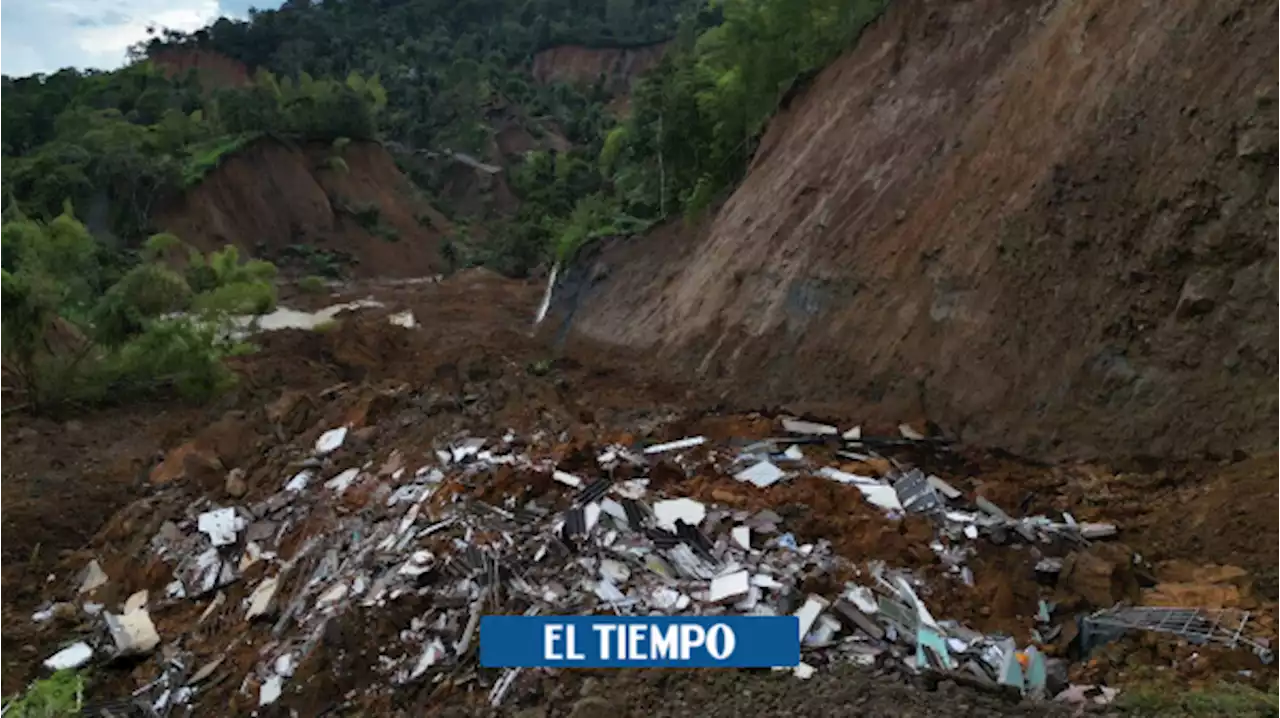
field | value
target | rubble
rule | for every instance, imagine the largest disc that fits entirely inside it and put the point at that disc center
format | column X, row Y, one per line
column 73, row 656
column 133, row 633
column 94, row 578
column 573, row 538
column 1198, row 626
column 1078, row 694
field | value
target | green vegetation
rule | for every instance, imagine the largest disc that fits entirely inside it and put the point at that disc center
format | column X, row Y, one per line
column 694, row 124
column 311, row 284
column 445, row 64
column 433, row 76
column 696, row 119
column 58, row 696
column 120, row 143
column 447, row 74
column 326, row 263
column 1226, row 699
column 80, row 330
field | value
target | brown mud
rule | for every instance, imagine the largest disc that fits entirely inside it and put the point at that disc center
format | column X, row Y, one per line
column 101, row 486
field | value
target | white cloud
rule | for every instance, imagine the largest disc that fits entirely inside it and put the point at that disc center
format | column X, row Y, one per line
column 47, row 35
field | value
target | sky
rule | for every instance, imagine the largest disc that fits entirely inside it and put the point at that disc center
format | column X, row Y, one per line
column 47, row 35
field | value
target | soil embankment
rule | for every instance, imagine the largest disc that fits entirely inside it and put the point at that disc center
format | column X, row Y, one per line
column 214, row 69
column 614, row 68
column 270, row 197
column 1048, row 227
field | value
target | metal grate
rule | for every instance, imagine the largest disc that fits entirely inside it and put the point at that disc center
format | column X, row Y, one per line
column 1197, row 625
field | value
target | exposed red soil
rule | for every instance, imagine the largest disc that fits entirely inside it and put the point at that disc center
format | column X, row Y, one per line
column 614, row 68
column 270, row 196
column 1048, row 227
column 214, row 69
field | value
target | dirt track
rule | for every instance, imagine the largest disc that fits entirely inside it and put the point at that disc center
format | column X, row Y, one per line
column 472, row 364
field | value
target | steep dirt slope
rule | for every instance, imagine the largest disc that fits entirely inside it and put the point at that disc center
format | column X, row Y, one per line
column 1047, row 226
column 214, row 69
column 615, row 67
column 269, row 196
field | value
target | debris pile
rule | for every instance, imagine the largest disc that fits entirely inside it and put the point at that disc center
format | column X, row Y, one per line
column 492, row 526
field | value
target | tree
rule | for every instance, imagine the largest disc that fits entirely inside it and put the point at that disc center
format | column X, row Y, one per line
column 71, row 336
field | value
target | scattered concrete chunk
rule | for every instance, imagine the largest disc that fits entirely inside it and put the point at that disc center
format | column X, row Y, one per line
column 809, row 428
column 468, row 448
column 260, row 599
column 670, row 511
column 217, row 601
column 677, row 445
column 1078, row 694
column 94, row 577
column 432, row 652
column 206, row 670
column 731, row 586
column 909, row 433
column 991, row 509
column 270, row 691
column 342, row 481
column 1097, row 530
column 880, row 495
column 220, row 525
column 332, row 595
column 403, row 319
column 944, row 488
column 73, row 656
column 856, row 619
column 299, row 481
column 133, row 633
column 331, row 440
column 136, row 602
column 742, row 536
column 808, row 614
column 567, row 479
column 846, row 478
column 763, row 474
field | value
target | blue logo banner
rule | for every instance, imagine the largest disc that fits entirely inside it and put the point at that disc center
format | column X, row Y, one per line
column 639, row 641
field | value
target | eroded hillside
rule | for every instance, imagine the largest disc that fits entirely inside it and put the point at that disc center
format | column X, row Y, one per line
column 613, row 68
column 1048, row 226
column 314, row 206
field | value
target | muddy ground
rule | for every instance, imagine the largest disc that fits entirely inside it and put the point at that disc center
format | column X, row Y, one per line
column 97, row 485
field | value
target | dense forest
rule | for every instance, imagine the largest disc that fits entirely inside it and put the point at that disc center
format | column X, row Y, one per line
column 89, row 156
column 99, row 309
column 119, row 142
column 443, row 63
column 692, row 127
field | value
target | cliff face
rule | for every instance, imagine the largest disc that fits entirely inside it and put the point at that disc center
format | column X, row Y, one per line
column 269, row 196
column 1046, row 226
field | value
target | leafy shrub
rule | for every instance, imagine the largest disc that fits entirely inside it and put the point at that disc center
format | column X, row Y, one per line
column 311, row 284
column 58, row 696
column 69, row 340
